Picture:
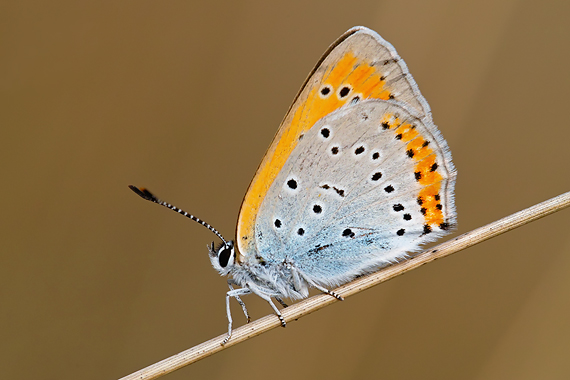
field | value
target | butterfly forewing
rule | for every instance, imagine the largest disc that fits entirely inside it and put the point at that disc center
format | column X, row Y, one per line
column 359, row 65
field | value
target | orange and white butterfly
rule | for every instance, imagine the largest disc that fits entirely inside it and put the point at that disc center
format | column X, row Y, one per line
column 356, row 178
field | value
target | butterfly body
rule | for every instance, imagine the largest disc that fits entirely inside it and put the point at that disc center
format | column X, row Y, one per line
column 324, row 224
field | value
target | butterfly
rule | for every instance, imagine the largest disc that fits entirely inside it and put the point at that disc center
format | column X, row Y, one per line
column 356, row 178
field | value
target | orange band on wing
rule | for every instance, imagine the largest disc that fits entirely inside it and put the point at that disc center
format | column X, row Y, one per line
column 362, row 79
column 425, row 169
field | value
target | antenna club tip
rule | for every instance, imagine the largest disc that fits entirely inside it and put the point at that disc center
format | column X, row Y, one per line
column 143, row 193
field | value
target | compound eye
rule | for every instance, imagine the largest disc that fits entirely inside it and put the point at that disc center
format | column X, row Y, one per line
column 224, row 256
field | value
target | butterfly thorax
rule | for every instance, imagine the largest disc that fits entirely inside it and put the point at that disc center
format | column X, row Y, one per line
column 275, row 279
column 262, row 276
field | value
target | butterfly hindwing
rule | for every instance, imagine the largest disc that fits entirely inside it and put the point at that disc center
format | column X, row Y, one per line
column 346, row 200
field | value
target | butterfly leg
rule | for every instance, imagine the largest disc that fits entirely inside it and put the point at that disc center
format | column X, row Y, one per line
column 232, row 293
column 281, row 302
column 329, row 292
column 241, row 303
column 268, row 299
column 322, row 289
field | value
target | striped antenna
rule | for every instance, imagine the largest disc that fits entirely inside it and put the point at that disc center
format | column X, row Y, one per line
column 145, row 194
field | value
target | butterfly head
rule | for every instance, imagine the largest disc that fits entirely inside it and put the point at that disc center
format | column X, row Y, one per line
column 223, row 257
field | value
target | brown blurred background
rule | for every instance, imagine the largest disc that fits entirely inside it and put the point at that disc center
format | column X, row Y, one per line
column 183, row 97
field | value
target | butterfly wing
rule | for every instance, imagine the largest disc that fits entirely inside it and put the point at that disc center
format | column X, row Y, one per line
column 367, row 184
column 359, row 65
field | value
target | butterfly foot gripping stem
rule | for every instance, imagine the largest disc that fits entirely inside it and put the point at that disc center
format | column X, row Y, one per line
column 283, row 323
column 275, row 309
column 322, row 289
column 335, row 295
column 329, row 292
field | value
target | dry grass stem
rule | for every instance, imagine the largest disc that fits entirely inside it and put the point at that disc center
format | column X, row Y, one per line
column 315, row 303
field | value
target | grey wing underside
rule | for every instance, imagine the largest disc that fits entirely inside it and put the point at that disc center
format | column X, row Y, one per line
column 345, row 201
